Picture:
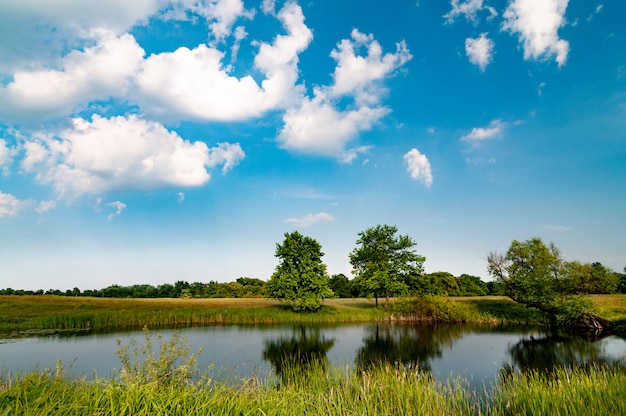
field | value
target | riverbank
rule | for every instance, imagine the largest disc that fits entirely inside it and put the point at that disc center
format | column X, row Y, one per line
column 383, row 390
column 23, row 315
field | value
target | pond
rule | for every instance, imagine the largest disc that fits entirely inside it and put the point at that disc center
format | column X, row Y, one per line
column 477, row 353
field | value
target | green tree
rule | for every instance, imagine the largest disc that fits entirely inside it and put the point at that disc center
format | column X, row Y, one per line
column 535, row 275
column 300, row 279
column 341, row 286
column 384, row 261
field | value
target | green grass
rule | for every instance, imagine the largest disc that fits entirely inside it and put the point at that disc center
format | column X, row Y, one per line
column 384, row 390
column 25, row 314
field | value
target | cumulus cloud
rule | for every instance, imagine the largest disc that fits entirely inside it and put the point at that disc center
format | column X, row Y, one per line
column 469, row 9
column 478, row 134
column 479, row 50
column 120, row 153
column 310, row 219
column 418, row 167
column 537, row 22
column 99, row 72
column 317, row 125
column 194, row 84
column 358, row 75
column 34, row 32
column 221, row 15
column 227, row 154
column 10, row 206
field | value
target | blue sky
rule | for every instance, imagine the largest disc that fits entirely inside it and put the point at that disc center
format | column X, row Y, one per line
column 161, row 140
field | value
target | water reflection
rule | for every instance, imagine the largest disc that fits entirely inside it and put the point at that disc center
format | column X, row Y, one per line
column 295, row 355
column 407, row 345
column 480, row 353
column 545, row 353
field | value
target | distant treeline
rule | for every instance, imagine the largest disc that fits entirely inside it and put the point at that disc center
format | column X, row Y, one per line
column 438, row 283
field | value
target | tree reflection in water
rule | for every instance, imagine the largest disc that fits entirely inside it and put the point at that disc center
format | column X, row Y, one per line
column 293, row 357
column 411, row 346
column 545, row 353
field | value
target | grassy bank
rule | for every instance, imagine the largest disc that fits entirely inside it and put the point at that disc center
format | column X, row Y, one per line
column 25, row 314
column 385, row 390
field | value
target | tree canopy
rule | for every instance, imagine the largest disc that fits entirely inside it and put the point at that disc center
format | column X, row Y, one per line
column 535, row 275
column 300, row 279
column 383, row 261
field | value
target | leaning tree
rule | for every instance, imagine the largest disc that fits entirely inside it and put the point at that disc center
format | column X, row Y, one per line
column 534, row 274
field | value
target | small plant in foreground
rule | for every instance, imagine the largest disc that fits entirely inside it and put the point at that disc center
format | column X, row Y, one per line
column 174, row 365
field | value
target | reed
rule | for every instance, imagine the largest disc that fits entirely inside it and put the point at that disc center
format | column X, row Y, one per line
column 384, row 390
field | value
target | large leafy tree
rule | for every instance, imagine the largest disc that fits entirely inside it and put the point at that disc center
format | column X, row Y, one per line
column 535, row 275
column 300, row 279
column 383, row 262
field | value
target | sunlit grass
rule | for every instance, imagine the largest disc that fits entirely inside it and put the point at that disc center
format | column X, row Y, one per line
column 41, row 313
column 24, row 314
column 383, row 390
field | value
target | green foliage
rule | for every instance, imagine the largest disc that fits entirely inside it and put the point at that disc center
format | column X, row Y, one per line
column 342, row 287
column 300, row 279
column 535, row 275
column 173, row 366
column 383, row 262
column 383, row 389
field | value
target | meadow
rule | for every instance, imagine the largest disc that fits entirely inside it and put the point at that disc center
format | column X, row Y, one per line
column 168, row 384
column 24, row 315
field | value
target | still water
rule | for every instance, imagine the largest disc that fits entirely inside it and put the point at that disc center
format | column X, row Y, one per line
column 477, row 353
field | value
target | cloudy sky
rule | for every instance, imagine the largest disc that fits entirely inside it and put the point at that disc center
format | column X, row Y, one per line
column 160, row 140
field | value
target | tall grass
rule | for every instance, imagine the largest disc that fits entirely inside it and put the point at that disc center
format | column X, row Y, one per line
column 494, row 310
column 383, row 390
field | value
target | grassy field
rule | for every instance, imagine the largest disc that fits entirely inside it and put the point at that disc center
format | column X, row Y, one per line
column 26, row 314
column 32, row 314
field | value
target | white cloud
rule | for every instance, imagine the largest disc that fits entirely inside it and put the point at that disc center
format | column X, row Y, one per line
column 10, row 206
column 116, row 154
column 357, row 75
column 34, row 32
column 194, row 84
column 418, row 167
column 479, row 134
column 268, row 6
column 45, row 206
column 479, row 50
column 317, row 126
column 310, row 220
column 537, row 23
column 119, row 207
column 98, row 72
column 6, row 156
column 226, row 154
column 222, row 15
column 180, row 197
column 469, row 9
